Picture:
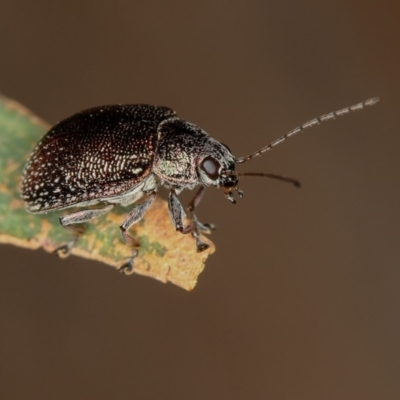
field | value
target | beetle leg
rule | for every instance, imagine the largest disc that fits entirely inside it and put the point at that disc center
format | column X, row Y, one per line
column 69, row 222
column 177, row 215
column 206, row 228
column 132, row 218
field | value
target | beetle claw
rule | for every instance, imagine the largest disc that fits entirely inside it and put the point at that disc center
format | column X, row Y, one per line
column 210, row 227
column 128, row 267
column 201, row 246
column 65, row 250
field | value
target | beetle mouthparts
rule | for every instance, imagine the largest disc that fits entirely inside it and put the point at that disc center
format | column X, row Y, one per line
column 228, row 192
column 229, row 195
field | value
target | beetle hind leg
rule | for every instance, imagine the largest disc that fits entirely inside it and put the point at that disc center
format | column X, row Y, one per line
column 132, row 218
column 72, row 223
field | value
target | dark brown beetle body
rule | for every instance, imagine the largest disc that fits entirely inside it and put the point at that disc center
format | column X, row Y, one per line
column 93, row 156
column 120, row 153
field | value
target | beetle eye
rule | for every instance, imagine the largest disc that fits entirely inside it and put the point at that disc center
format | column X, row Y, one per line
column 211, row 167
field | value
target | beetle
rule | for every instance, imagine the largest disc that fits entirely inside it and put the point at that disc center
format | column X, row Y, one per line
column 119, row 154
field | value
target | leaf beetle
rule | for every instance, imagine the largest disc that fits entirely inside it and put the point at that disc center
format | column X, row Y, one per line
column 119, row 154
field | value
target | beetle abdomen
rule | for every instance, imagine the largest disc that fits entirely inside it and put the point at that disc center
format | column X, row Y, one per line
column 96, row 154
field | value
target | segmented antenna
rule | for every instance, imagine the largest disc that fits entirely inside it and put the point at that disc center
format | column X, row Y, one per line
column 309, row 124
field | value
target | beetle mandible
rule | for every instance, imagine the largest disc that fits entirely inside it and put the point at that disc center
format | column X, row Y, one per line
column 119, row 154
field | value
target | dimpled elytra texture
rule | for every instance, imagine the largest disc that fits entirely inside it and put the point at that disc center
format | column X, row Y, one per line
column 96, row 154
column 165, row 255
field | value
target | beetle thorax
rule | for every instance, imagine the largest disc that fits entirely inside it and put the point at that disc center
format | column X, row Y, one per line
column 178, row 147
column 214, row 163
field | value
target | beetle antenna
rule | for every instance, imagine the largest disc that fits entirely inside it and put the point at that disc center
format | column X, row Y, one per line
column 309, row 124
column 294, row 182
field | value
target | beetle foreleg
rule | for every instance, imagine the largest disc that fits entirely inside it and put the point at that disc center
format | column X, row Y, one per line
column 206, row 228
column 178, row 214
column 70, row 222
column 132, row 218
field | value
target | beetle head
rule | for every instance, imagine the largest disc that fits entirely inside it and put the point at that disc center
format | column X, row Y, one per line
column 216, row 167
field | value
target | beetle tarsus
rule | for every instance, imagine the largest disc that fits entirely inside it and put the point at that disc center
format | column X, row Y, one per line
column 201, row 246
column 205, row 228
column 77, row 230
column 128, row 267
column 65, row 250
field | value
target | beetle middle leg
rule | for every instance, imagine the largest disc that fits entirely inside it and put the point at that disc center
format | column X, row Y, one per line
column 71, row 222
column 178, row 214
column 194, row 203
column 132, row 218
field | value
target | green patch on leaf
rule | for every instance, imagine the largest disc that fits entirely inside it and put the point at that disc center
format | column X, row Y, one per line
column 147, row 246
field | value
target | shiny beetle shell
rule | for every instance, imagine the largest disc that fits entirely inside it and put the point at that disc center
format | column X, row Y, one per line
column 97, row 154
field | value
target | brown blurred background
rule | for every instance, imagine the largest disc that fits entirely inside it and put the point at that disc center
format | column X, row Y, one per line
column 302, row 298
